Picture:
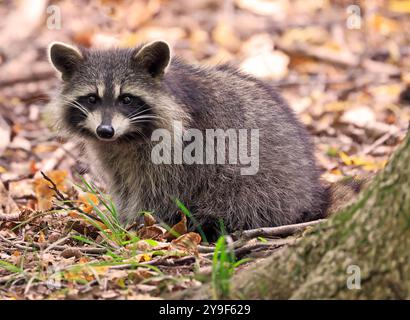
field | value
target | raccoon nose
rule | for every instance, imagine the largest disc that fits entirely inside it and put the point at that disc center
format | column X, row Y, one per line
column 105, row 131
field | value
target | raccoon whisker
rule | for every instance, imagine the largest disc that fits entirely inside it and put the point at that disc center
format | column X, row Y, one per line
column 142, row 134
column 71, row 102
column 79, row 107
column 138, row 119
column 76, row 105
column 146, row 117
column 142, row 121
column 139, row 112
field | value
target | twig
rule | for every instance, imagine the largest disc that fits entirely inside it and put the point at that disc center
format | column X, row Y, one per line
column 253, row 247
column 82, row 249
column 27, row 77
column 345, row 58
column 166, row 262
column 282, row 231
column 243, row 250
column 35, row 247
column 206, row 249
column 55, row 244
column 10, row 216
column 16, row 245
column 378, row 142
column 10, row 277
column 29, row 283
column 244, row 236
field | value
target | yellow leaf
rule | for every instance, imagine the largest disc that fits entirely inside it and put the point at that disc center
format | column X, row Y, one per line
column 345, row 158
column 140, row 258
column 383, row 25
column 145, row 257
column 375, row 166
column 357, row 161
column 336, row 171
column 41, row 237
column 100, row 270
column 85, row 272
column 401, row 6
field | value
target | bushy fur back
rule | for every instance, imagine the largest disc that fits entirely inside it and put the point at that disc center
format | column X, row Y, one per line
column 285, row 190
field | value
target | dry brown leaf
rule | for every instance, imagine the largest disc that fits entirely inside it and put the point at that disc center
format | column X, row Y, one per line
column 71, row 252
column 188, row 242
column 139, row 275
column 177, row 229
column 149, row 220
column 152, row 232
column 82, row 226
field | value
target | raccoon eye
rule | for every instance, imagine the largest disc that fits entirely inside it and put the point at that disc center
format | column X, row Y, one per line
column 126, row 100
column 92, row 99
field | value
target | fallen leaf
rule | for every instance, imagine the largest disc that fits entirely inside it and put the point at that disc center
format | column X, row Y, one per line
column 136, row 276
column 188, row 242
column 178, row 229
column 87, row 201
column 41, row 237
column 151, row 232
column 149, row 220
column 400, row 6
column 142, row 257
column 71, row 252
column 42, row 188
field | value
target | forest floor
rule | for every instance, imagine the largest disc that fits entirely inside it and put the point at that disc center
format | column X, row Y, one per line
column 59, row 236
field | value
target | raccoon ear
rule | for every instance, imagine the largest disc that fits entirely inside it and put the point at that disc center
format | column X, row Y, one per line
column 64, row 58
column 154, row 57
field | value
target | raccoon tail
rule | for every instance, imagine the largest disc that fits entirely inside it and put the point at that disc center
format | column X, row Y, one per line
column 343, row 193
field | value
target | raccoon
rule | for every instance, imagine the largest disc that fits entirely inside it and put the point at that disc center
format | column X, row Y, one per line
column 113, row 100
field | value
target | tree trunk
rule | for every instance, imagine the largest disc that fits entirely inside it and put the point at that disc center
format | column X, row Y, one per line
column 371, row 238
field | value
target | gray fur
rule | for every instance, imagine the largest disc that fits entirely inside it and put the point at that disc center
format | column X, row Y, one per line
column 285, row 190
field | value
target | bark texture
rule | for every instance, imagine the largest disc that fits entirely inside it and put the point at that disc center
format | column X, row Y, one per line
column 373, row 234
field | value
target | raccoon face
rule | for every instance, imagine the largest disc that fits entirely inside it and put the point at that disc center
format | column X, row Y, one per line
column 111, row 95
